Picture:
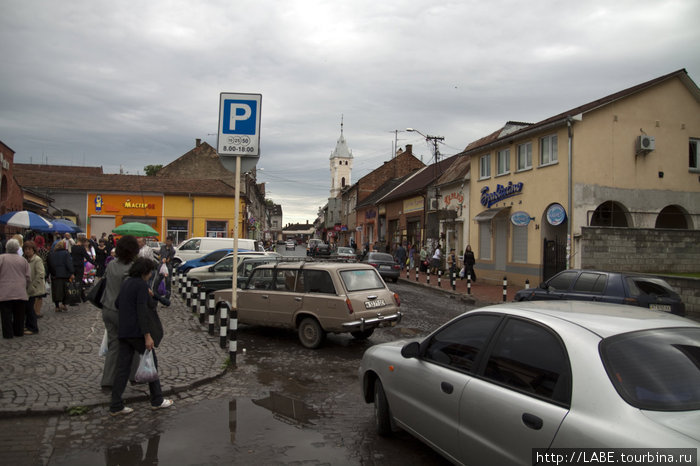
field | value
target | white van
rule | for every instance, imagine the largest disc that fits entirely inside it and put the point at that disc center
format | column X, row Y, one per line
column 196, row 247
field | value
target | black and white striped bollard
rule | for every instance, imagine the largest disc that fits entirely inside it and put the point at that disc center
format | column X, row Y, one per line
column 427, row 276
column 527, row 284
column 194, row 302
column 233, row 336
column 211, row 305
column 453, row 274
column 223, row 323
column 439, row 278
column 417, row 273
column 469, row 283
column 505, row 289
column 202, row 304
column 188, row 292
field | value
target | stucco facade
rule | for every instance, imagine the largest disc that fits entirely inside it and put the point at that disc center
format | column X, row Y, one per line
column 522, row 229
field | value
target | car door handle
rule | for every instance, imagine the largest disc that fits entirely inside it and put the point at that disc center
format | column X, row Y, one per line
column 297, row 299
column 264, row 296
column 447, row 387
column 532, row 421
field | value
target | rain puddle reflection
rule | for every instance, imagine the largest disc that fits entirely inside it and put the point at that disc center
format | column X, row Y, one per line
column 273, row 429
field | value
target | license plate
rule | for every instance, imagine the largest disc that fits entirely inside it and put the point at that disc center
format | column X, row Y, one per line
column 660, row 307
column 374, row 303
column 385, row 267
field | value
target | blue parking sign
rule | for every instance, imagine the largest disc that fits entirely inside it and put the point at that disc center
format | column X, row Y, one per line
column 239, row 124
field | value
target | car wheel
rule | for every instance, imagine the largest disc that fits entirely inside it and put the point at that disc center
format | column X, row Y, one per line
column 311, row 334
column 382, row 415
column 362, row 334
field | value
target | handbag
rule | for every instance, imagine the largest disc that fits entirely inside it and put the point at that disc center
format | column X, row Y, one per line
column 146, row 372
column 73, row 293
column 96, row 292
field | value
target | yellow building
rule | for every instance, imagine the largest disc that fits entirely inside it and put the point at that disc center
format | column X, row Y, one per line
column 201, row 216
column 627, row 160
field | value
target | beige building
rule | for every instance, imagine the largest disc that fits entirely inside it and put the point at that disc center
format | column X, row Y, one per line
column 626, row 160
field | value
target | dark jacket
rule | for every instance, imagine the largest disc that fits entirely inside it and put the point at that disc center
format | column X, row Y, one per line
column 137, row 311
column 80, row 255
column 469, row 260
column 60, row 264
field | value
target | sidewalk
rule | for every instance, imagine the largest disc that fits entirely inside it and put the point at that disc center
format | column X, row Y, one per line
column 482, row 293
column 59, row 367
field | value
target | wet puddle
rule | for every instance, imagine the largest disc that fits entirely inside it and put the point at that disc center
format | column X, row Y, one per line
column 275, row 429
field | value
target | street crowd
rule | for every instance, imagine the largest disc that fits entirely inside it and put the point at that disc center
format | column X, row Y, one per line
column 126, row 279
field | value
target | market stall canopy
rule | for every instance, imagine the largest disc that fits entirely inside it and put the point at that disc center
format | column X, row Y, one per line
column 135, row 229
column 73, row 228
column 25, row 219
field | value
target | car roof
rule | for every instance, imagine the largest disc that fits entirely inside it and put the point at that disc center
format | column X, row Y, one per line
column 317, row 265
column 603, row 319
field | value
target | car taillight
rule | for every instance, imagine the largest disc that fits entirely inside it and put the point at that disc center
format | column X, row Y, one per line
column 396, row 267
column 349, row 304
column 631, row 301
column 397, row 299
column 373, row 265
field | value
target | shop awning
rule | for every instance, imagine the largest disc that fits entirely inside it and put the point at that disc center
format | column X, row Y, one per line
column 489, row 214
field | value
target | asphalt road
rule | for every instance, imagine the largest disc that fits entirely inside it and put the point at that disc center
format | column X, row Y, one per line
column 282, row 404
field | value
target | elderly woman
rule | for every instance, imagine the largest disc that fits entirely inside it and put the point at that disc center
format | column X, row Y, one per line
column 15, row 276
column 117, row 270
column 35, row 289
column 61, row 271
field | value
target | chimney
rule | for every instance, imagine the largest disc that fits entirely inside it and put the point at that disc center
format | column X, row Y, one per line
column 198, row 142
column 409, row 149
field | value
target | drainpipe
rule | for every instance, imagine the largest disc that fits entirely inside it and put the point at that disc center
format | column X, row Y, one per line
column 192, row 222
column 569, row 223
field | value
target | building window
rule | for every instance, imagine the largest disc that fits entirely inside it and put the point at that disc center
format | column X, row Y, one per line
column 216, row 229
column 520, row 244
column 342, row 182
column 485, row 166
column 503, row 162
column 525, row 156
column 178, row 230
column 693, row 154
column 548, row 150
column 485, row 240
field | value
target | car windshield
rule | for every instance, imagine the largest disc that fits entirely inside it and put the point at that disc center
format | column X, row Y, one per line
column 343, row 250
column 655, row 369
column 359, row 280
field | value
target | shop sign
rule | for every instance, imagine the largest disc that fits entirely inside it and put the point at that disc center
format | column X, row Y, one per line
column 138, row 205
column 556, row 215
column 454, row 196
column 502, row 192
column 415, row 204
column 371, row 214
column 520, row 219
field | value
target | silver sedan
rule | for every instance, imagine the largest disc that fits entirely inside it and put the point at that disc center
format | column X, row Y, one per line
column 493, row 384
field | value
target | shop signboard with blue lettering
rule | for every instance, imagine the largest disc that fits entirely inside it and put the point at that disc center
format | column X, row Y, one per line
column 239, row 125
column 520, row 219
column 556, row 215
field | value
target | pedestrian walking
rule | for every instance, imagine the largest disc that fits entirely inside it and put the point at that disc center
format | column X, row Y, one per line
column 400, row 255
column 101, row 253
column 79, row 256
column 452, row 262
column 36, row 289
column 412, row 256
column 117, row 270
column 61, row 272
column 424, row 259
column 140, row 329
column 167, row 254
column 469, row 262
column 435, row 260
column 43, row 253
column 15, row 276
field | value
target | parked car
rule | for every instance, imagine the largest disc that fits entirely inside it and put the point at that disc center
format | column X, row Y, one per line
column 385, row 263
column 321, row 249
column 290, row 244
column 494, row 383
column 200, row 246
column 224, row 267
column 610, row 287
column 315, row 299
column 208, row 259
column 346, row 253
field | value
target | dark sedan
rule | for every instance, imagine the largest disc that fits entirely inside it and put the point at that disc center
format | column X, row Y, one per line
column 609, row 287
column 385, row 265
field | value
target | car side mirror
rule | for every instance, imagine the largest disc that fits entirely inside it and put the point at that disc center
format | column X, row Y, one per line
column 411, row 350
column 543, row 285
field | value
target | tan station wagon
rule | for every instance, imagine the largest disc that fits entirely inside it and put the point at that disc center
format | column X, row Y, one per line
column 316, row 298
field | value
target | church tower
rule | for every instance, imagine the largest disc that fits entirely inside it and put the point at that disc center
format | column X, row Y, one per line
column 341, row 165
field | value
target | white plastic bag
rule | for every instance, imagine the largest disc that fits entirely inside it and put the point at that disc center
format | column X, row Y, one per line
column 163, row 270
column 146, row 371
column 461, row 273
column 105, row 345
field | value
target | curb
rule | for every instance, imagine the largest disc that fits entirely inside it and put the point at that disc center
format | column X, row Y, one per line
column 469, row 299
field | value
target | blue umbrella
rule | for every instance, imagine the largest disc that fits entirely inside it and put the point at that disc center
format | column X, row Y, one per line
column 65, row 222
column 25, row 219
column 57, row 227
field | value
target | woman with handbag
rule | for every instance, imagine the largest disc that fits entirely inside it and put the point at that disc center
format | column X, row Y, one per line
column 140, row 329
column 61, row 272
column 35, row 289
column 116, row 272
column 15, row 276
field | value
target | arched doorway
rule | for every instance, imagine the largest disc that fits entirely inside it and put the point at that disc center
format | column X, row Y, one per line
column 554, row 229
column 611, row 214
column 673, row 216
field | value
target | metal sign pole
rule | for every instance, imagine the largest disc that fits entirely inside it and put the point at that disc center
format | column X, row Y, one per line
column 233, row 324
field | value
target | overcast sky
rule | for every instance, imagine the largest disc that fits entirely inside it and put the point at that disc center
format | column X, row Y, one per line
column 129, row 84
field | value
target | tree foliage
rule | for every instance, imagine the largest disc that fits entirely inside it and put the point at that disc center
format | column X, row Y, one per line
column 151, row 170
